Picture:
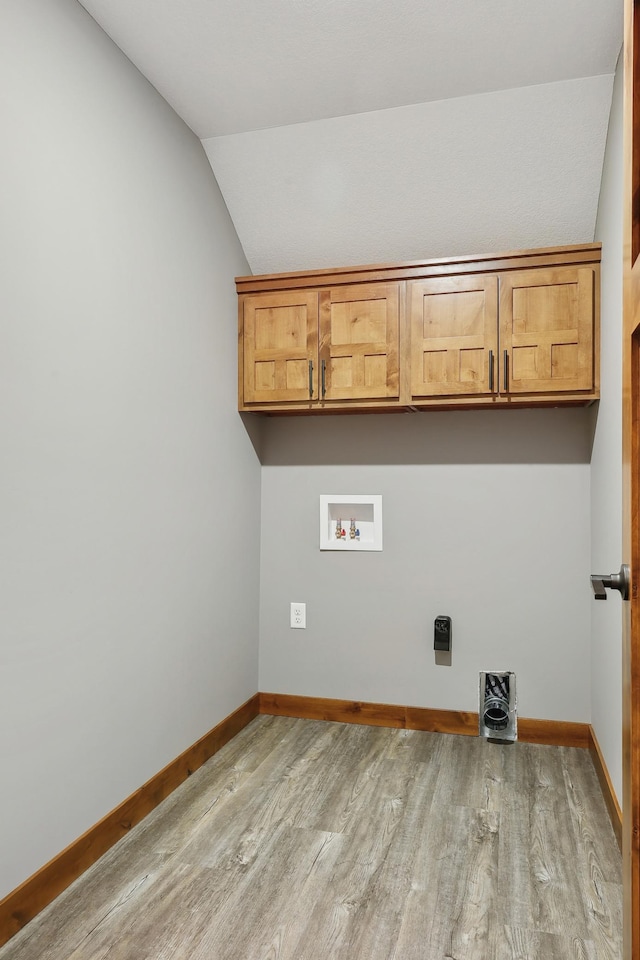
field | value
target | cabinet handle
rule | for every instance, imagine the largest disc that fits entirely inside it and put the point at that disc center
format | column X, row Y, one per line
column 490, row 371
column 311, row 379
column 506, row 370
column 324, row 380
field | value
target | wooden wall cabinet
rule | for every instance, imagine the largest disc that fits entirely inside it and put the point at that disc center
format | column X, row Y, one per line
column 521, row 334
column 280, row 341
column 547, row 330
column 315, row 349
column 359, row 342
column 454, row 337
column 514, row 329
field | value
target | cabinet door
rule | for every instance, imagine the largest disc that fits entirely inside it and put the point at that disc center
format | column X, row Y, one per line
column 359, row 330
column 454, row 334
column 546, row 329
column 280, row 344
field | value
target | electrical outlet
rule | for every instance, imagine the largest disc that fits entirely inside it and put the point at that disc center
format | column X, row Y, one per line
column 298, row 616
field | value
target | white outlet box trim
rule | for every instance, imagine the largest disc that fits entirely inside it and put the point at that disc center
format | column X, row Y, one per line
column 366, row 509
column 298, row 615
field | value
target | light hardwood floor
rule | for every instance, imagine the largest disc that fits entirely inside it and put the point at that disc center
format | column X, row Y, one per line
column 306, row 840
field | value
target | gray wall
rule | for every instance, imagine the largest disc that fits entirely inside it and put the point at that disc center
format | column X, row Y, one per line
column 129, row 488
column 606, row 461
column 486, row 519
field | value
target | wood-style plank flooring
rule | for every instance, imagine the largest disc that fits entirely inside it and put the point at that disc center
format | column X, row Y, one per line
column 305, row 840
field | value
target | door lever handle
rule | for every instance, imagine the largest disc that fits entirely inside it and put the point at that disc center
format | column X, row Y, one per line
column 615, row 581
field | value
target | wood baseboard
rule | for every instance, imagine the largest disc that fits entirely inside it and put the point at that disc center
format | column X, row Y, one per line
column 560, row 733
column 27, row 900
column 609, row 794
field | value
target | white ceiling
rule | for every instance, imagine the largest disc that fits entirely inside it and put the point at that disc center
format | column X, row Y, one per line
column 354, row 131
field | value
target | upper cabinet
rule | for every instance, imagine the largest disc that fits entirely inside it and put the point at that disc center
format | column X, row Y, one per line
column 454, row 337
column 526, row 333
column 359, row 342
column 280, row 343
column 515, row 329
column 317, row 349
column 547, row 330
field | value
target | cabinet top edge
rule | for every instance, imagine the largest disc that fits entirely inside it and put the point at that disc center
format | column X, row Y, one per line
column 509, row 260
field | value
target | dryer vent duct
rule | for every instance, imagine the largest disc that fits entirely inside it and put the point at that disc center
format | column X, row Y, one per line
column 497, row 706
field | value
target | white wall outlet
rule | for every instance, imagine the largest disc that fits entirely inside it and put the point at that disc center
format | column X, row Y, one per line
column 298, row 616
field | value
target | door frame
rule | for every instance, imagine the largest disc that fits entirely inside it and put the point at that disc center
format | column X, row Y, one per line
column 630, row 483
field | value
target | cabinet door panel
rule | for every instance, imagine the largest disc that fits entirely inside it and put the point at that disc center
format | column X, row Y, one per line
column 280, row 340
column 359, row 330
column 546, row 327
column 453, row 329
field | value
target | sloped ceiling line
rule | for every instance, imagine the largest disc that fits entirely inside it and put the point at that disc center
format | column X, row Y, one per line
column 355, row 131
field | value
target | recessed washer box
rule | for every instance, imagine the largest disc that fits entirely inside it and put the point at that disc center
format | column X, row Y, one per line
column 350, row 521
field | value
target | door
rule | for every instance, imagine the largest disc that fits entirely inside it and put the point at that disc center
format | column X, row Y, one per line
column 280, row 347
column 359, row 331
column 547, row 323
column 631, row 483
column 454, row 333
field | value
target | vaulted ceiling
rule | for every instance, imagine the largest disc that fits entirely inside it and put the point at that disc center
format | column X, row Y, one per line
column 361, row 131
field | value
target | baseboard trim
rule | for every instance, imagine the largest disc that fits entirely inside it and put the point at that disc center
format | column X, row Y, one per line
column 609, row 794
column 559, row 733
column 26, row 901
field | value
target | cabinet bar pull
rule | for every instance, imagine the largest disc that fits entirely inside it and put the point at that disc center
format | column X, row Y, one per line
column 506, row 370
column 324, row 384
column 490, row 371
column 311, row 379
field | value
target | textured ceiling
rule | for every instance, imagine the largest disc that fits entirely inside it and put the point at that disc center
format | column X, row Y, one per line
column 518, row 168
column 353, row 131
